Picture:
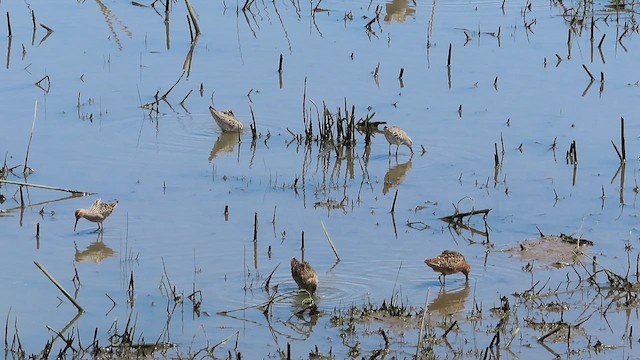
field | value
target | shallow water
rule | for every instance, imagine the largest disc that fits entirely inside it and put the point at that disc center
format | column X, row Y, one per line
column 173, row 173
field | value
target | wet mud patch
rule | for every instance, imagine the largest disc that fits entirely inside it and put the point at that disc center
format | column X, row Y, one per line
column 550, row 251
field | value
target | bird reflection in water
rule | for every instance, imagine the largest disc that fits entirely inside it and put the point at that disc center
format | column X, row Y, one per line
column 450, row 302
column 398, row 10
column 96, row 251
column 395, row 176
column 224, row 144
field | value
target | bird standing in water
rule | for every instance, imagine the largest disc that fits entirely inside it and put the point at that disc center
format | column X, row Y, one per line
column 449, row 262
column 396, row 136
column 304, row 275
column 97, row 213
column 226, row 120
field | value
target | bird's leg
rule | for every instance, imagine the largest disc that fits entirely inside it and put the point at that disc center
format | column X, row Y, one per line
column 389, row 149
column 440, row 279
column 397, row 148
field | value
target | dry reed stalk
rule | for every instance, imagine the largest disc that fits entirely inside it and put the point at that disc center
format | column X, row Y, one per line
column 75, row 192
column 393, row 206
column 185, row 97
column 601, row 40
column 449, row 329
column 588, row 72
column 9, row 26
column 304, row 104
column 255, row 227
column 192, row 14
column 302, row 248
column 57, row 284
column 33, row 125
column 326, row 233
column 622, row 140
column 424, row 313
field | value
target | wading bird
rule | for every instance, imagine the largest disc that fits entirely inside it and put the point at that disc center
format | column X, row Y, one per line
column 97, row 213
column 447, row 263
column 397, row 136
column 226, row 120
column 304, row 275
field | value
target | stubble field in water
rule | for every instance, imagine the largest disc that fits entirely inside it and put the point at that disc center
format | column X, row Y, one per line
column 492, row 93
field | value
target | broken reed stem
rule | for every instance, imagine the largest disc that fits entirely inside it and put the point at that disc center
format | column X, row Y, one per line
column 57, row 284
column 449, row 57
column 33, row 125
column 255, row 227
column 192, row 14
column 588, row 72
column 302, row 248
column 601, row 40
column 304, row 103
column 424, row 314
column 615, row 147
column 401, row 73
column 280, row 64
column 9, row 25
column 33, row 21
column 622, row 141
column 185, row 97
column 254, row 130
column 6, row 329
column 273, row 220
column 449, row 329
column 75, row 192
column 326, row 233
column 393, row 206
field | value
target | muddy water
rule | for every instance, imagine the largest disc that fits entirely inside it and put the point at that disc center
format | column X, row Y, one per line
column 174, row 173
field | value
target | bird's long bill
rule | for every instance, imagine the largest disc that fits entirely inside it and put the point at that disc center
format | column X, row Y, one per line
column 76, row 224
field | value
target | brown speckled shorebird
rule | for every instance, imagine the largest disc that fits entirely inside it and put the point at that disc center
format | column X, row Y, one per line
column 97, row 213
column 449, row 262
column 304, row 275
column 226, row 120
column 397, row 136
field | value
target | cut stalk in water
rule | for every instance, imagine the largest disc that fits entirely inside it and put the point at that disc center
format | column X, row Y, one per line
column 57, row 284
column 20, row 183
column 326, row 233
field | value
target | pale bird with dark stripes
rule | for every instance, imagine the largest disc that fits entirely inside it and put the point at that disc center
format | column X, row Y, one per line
column 97, row 213
column 226, row 120
column 396, row 136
